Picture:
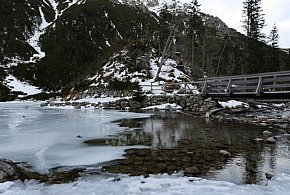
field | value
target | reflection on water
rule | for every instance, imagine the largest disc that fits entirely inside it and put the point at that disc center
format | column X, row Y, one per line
column 192, row 144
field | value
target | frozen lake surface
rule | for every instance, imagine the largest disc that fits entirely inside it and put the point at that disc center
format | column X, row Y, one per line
column 46, row 138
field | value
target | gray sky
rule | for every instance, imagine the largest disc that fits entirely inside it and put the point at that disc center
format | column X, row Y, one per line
column 230, row 11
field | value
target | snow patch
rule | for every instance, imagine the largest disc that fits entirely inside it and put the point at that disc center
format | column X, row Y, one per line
column 164, row 107
column 232, row 104
column 17, row 85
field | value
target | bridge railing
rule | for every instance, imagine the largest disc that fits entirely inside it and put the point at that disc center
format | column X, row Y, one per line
column 252, row 84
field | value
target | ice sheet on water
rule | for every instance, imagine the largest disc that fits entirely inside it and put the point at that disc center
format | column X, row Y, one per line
column 46, row 138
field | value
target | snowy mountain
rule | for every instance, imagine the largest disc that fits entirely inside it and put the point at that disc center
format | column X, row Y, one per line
column 54, row 45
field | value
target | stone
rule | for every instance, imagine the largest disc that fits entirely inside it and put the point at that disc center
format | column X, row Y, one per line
column 270, row 140
column 44, row 104
column 28, row 174
column 225, row 153
column 267, row 133
column 258, row 140
column 134, row 104
column 208, row 99
column 156, row 109
column 77, row 107
column 191, row 171
column 168, row 107
column 269, row 175
column 8, row 171
column 124, row 104
column 182, row 103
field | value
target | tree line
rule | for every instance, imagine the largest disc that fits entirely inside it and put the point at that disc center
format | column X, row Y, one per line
column 206, row 46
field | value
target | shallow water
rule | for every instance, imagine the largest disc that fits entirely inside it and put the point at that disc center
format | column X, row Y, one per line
column 178, row 142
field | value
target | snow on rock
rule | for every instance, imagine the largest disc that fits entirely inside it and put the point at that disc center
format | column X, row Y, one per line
column 164, row 107
column 16, row 85
column 232, row 104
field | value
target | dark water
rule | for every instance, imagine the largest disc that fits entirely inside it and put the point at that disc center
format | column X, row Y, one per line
column 192, row 145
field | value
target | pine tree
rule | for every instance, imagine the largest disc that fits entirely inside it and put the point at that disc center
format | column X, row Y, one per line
column 253, row 24
column 273, row 38
column 273, row 41
column 253, row 19
column 194, row 27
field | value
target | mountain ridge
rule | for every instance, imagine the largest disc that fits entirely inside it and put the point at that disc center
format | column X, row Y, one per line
column 55, row 45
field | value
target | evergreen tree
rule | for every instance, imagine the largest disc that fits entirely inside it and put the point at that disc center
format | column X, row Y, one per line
column 273, row 38
column 194, row 27
column 253, row 24
column 273, row 41
column 253, row 19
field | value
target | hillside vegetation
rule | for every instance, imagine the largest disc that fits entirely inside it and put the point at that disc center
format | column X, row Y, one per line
column 78, row 37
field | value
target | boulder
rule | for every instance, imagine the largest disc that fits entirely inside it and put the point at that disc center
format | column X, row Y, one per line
column 168, row 107
column 156, row 109
column 191, row 171
column 267, row 133
column 8, row 171
column 124, row 104
column 134, row 104
column 270, row 140
column 269, row 175
column 225, row 153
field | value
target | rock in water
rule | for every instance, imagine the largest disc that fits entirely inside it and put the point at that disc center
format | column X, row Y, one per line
column 8, row 171
column 269, row 175
column 225, row 153
column 191, row 171
column 267, row 133
column 270, row 140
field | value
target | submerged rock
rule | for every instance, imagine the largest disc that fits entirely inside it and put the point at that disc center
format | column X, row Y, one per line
column 270, row 140
column 8, row 171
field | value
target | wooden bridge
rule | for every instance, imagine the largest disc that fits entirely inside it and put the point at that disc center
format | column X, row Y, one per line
column 271, row 84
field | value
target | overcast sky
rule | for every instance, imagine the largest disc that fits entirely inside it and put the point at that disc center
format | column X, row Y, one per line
column 230, row 11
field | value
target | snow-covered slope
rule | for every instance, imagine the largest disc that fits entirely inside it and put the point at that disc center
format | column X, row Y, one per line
column 15, row 85
column 143, row 72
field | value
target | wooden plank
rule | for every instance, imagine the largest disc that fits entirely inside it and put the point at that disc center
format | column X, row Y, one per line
column 277, row 79
column 244, row 93
column 243, row 82
column 276, row 86
column 245, row 87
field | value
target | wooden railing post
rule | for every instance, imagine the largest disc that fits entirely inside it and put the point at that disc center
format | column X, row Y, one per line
column 259, row 86
column 204, row 88
column 229, row 88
